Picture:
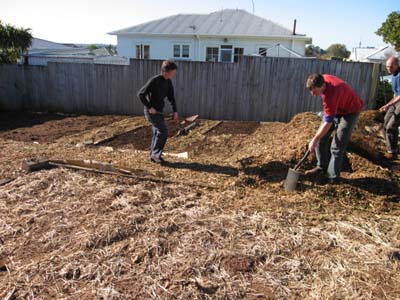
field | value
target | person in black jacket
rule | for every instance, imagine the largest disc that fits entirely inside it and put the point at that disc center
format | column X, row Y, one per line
column 152, row 95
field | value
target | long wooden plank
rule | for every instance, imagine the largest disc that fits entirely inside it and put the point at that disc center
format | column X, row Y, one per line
column 102, row 168
column 6, row 180
column 124, row 174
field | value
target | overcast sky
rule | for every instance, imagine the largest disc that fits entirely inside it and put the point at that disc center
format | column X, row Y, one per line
column 348, row 22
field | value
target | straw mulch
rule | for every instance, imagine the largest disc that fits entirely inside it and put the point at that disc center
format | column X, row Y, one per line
column 68, row 234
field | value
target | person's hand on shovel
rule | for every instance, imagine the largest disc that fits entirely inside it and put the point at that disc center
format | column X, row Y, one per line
column 153, row 111
column 322, row 130
column 385, row 107
column 313, row 144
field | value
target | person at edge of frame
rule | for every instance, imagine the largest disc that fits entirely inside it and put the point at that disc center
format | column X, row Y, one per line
column 392, row 108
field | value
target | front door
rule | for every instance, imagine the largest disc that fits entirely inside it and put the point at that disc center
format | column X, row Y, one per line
column 226, row 54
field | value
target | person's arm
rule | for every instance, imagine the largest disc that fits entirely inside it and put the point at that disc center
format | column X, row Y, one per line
column 144, row 94
column 321, row 132
column 393, row 101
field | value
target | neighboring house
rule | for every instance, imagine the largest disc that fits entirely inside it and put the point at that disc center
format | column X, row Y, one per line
column 220, row 36
column 41, row 52
column 360, row 53
column 382, row 54
column 43, row 46
column 372, row 54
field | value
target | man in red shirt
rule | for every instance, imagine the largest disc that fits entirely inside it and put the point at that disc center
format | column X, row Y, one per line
column 341, row 107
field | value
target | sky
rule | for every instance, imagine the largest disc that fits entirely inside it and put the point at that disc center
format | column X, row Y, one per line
column 348, row 22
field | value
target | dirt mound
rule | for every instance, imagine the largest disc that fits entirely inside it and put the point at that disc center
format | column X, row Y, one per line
column 46, row 128
column 368, row 138
column 235, row 128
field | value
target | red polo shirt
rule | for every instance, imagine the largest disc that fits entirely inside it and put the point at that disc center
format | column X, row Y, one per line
column 339, row 98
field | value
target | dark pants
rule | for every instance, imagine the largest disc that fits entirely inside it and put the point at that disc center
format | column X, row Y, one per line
column 160, row 133
column 330, row 155
column 391, row 125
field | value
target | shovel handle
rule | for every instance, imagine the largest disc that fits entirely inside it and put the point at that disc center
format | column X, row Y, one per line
column 188, row 119
column 302, row 160
column 161, row 113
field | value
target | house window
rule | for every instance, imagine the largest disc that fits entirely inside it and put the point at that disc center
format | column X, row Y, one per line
column 142, row 52
column 212, row 54
column 138, row 51
column 181, row 51
column 146, row 52
column 226, row 53
column 185, row 51
column 262, row 51
column 238, row 53
column 177, row 51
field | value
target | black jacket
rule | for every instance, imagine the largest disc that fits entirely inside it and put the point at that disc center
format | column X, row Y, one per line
column 153, row 93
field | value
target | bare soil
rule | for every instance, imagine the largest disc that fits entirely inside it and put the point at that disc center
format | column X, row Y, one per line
column 68, row 234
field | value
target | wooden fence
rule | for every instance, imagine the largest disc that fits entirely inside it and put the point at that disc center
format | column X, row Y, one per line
column 256, row 88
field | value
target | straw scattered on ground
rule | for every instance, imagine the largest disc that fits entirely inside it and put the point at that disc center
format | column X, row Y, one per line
column 68, row 234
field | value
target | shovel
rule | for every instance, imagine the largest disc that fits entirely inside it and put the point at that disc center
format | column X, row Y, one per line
column 293, row 176
column 191, row 118
column 188, row 119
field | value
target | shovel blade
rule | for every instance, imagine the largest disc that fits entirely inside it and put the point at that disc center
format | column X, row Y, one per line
column 291, row 180
column 191, row 118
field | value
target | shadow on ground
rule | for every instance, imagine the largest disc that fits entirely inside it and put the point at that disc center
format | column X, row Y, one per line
column 210, row 168
column 14, row 120
column 376, row 186
column 273, row 171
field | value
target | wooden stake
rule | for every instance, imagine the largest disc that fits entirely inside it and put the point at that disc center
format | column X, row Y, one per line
column 35, row 164
column 124, row 173
column 211, row 128
column 6, row 180
column 100, row 167
column 11, row 295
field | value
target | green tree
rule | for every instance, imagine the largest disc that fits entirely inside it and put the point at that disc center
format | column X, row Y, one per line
column 384, row 93
column 314, row 51
column 337, row 50
column 112, row 49
column 390, row 30
column 13, row 43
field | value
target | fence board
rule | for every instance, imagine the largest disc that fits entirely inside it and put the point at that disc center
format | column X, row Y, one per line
column 256, row 88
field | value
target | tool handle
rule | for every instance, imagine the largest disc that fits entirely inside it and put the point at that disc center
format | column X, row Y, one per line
column 302, row 160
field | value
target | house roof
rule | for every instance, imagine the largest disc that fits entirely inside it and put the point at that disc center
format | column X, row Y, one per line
column 383, row 54
column 71, row 52
column 229, row 22
column 40, row 47
column 40, row 44
column 360, row 53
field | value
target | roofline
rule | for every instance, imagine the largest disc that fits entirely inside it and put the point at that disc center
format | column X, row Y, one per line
column 288, row 50
column 377, row 51
column 289, row 37
column 198, row 14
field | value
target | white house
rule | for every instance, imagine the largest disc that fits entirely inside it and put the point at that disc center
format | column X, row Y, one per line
column 382, row 54
column 361, row 53
column 220, row 36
